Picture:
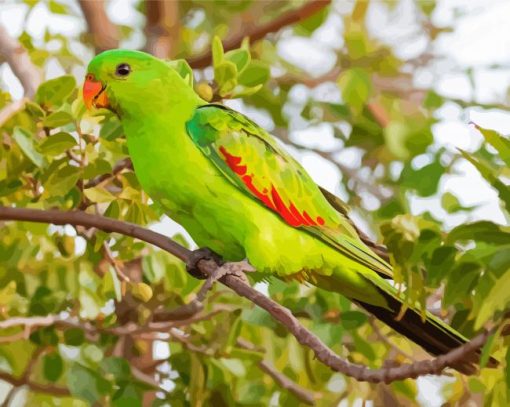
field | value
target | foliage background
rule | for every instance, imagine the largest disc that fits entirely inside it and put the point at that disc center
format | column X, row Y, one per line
column 374, row 98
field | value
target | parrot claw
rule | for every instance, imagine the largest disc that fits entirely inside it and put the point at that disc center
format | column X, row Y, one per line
column 236, row 269
column 196, row 256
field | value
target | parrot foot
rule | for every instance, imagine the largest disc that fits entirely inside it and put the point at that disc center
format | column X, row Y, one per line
column 196, row 256
column 236, row 269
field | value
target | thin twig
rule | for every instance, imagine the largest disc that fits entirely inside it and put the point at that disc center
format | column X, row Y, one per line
column 114, row 263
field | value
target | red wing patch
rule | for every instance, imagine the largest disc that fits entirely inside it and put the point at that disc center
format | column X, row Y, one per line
column 270, row 197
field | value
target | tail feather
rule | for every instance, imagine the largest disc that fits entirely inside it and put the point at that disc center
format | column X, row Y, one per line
column 433, row 335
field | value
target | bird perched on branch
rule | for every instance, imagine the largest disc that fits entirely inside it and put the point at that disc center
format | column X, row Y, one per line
column 243, row 197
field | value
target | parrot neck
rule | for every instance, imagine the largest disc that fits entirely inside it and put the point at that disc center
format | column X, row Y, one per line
column 158, row 143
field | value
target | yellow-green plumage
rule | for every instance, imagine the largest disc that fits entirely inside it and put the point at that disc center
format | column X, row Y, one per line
column 194, row 158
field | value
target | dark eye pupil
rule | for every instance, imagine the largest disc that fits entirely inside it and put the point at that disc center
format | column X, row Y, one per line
column 123, row 70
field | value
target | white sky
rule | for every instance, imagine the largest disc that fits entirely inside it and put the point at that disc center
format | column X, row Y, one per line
column 481, row 38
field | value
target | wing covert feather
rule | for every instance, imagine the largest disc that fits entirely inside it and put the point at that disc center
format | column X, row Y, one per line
column 252, row 160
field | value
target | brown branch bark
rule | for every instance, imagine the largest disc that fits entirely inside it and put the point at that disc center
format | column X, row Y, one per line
column 256, row 33
column 279, row 313
column 99, row 222
column 34, row 386
column 103, row 33
column 19, row 61
column 162, row 27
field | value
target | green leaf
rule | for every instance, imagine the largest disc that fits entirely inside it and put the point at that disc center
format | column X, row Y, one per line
column 57, row 8
column 7, row 293
column 433, row 100
column 488, row 173
column 241, row 91
column 257, row 316
column 461, row 281
column 113, row 211
column 234, row 366
column 112, row 287
column 500, row 143
column 92, row 353
column 311, row 23
column 87, row 384
column 240, row 57
column 183, row 69
column 57, row 119
column 99, row 195
column 8, row 186
column 425, row 180
column 488, row 348
column 34, row 109
column 482, row 231
column 217, row 51
column 197, row 382
column 451, row 204
column 497, row 300
column 111, row 128
column 46, row 336
column 225, row 74
column 97, row 167
column 74, row 337
column 61, row 181
column 353, row 319
column 118, row 367
column 53, row 366
column 127, row 396
column 57, row 144
column 356, row 87
column 256, row 73
column 408, row 388
column 55, row 92
column 25, row 141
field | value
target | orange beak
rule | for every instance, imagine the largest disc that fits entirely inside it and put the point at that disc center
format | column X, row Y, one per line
column 94, row 93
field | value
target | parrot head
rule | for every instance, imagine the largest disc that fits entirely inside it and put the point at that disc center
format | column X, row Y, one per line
column 122, row 79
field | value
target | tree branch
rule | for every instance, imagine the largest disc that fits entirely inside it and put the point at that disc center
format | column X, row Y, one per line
column 256, row 33
column 38, row 387
column 99, row 222
column 104, row 34
column 19, row 61
column 162, row 27
column 279, row 313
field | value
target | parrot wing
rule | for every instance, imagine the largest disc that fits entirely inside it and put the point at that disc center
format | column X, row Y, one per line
column 251, row 159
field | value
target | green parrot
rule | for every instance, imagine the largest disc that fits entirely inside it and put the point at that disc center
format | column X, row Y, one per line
column 242, row 196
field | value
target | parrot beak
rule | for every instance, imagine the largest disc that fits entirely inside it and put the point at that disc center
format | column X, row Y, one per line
column 94, row 93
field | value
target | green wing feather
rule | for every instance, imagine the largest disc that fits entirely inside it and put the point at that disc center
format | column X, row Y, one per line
column 252, row 160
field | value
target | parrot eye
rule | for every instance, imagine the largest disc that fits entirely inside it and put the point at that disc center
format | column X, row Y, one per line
column 122, row 70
